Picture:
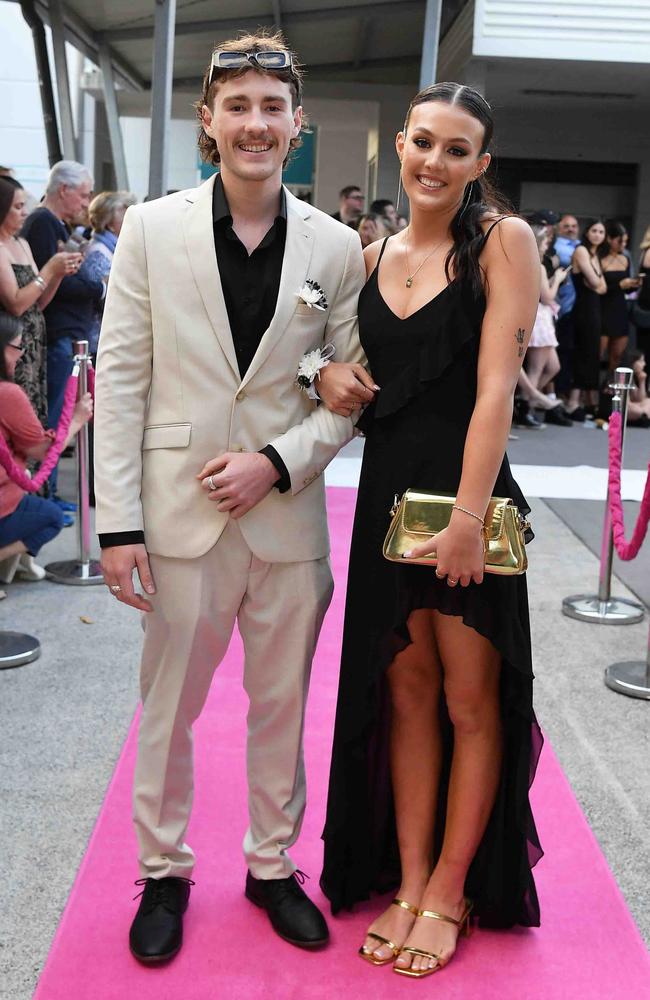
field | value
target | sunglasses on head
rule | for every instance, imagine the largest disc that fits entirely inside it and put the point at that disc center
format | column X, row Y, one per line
column 269, row 60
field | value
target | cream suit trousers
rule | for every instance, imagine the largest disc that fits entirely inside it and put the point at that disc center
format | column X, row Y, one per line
column 279, row 608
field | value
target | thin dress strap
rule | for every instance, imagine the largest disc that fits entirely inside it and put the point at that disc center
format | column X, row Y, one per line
column 375, row 269
column 493, row 226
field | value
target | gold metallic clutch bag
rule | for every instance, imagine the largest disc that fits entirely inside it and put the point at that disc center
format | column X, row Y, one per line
column 418, row 516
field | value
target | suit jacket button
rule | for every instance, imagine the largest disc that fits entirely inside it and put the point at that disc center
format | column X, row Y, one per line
column 241, row 395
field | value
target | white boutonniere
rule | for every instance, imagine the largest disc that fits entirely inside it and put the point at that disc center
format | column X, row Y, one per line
column 312, row 295
column 310, row 366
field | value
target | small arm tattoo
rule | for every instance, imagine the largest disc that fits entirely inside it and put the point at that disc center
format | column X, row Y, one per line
column 519, row 337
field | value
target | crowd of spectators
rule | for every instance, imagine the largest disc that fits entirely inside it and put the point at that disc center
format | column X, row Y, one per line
column 382, row 218
column 55, row 263
column 593, row 317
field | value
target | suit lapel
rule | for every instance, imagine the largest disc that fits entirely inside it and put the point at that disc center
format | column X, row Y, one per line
column 199, row 240
column 295, row 269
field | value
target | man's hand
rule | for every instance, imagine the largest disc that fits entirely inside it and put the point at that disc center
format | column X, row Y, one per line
column 241, row 481
column 118, row 563
column 344, row 387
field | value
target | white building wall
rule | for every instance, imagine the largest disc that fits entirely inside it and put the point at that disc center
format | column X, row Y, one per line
column 22, row 136
column 345, row 131
column 183, row 163
column 593, row 30
column 619, row 138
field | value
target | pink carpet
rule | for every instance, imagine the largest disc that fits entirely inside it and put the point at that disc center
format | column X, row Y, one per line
column 588, row 947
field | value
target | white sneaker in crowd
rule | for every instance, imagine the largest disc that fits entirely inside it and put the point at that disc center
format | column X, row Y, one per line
column 28, row 569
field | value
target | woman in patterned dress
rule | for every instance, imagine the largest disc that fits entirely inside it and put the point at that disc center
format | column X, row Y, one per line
column 25, row 292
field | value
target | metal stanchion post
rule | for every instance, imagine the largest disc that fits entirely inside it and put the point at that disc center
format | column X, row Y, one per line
column 631, row 677
column 602, row 608
column 84, row 570
column 17, row 649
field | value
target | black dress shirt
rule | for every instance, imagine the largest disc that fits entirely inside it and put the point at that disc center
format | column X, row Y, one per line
column 250, row 286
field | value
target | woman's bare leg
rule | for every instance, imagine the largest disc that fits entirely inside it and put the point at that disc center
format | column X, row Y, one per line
column 471, row 668
column 13, row 549
column 550, row 370
column 617, row 348
column 535, row 361
column 415, row 682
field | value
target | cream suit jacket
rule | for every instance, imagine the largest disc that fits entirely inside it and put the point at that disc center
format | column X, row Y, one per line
column 169, row 395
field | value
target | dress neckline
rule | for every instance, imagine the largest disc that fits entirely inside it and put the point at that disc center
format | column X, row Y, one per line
column 403, row 319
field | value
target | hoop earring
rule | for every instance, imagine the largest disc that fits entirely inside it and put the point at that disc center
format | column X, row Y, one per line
column 399, row 189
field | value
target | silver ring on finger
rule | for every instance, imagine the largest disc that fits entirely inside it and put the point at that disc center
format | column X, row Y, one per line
column 115, row 589
column 211, row 485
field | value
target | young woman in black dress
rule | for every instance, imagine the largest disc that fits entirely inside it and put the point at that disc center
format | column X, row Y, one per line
column 590, row 286
column 614, row 313
column 436, row 741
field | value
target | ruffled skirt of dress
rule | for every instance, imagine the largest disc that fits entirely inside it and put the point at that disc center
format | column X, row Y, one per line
column 361, row 853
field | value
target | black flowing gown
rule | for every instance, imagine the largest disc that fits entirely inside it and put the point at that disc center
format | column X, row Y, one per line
column 415, row 433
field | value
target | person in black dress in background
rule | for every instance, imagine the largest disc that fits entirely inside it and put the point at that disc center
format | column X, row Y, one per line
column 614, row 315
column 436, row 741
column 590, row 285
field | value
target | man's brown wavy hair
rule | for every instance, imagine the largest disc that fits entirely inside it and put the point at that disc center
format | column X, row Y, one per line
column 264, row 40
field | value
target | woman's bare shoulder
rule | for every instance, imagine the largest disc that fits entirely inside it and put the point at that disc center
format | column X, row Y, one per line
column 509, row 236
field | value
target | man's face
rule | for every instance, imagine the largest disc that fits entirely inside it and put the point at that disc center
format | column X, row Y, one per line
column 252, row 123
column 568, row 227
column 353, row 204
column 74, row 202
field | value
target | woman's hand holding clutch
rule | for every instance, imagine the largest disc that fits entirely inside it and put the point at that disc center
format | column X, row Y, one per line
column 460, row 552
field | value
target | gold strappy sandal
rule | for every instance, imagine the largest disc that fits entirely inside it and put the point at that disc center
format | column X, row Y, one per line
column 368, row 954
column 464, row 927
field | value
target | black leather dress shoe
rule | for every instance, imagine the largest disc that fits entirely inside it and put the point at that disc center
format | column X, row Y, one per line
column 292, row 913
column 157, row 931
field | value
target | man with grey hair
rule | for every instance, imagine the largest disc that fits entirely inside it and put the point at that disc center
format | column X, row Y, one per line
column 69, row 315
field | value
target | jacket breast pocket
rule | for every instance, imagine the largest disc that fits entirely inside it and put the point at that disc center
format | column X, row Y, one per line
column 302, row 309
column 166, row 436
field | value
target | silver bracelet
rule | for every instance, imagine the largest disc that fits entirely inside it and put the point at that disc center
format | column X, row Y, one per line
column 471, row 513
column 41, row 282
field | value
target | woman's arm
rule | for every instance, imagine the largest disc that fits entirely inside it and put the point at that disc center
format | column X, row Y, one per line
column 343, row 387
column 548, row 290
column 82, row 413
column 512, row 291
column 18, row 300
column 51, row 273
column 512, row 284
column 12, row 298
column 582, row 260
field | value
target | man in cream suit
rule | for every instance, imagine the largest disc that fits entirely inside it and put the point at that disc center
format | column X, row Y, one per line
column 209, row 465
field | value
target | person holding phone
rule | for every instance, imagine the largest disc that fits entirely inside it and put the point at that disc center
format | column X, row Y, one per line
column 69, row 316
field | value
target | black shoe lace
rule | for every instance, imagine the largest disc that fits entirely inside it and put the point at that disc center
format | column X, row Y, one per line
column 290, row 886
column 160, row 892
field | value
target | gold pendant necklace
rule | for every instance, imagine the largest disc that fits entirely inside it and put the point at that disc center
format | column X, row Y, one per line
column 410, row 277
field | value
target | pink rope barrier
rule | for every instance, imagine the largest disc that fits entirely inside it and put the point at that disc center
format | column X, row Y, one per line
column 15, row 472
column 626, row 550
